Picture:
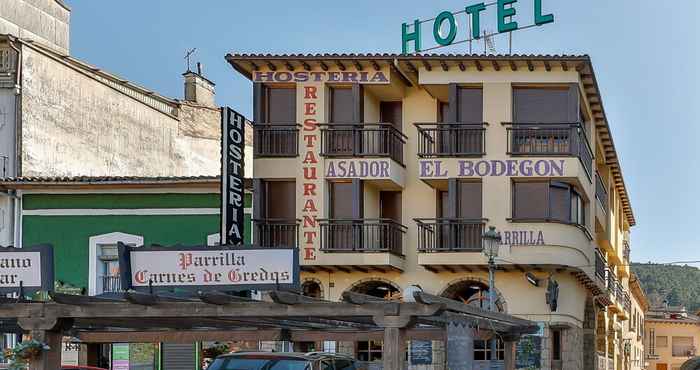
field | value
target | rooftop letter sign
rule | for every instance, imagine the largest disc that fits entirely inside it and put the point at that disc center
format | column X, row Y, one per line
column 208, row 268
column 30, row 268
column 445, row 27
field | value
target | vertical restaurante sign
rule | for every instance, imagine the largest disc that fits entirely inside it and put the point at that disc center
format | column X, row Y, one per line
column 445, row 26
column 30, row 268
column 232, row 182
column 202, row 268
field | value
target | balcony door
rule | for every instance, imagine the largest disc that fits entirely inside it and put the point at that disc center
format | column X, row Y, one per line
column 460, row 213
column 278, row 227
column 343, row 232
column 281, row 105
column 276, row 133
column 465, row 107
column 339, row 140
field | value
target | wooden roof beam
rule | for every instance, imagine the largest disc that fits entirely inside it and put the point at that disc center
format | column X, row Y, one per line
column 547, row 66
column 358, row 65
column 254, row 66
column 412, row 68
column 323, row 65
column 495, row 65
column 427, row 65
column 513, row 65
column 462, row 67
column 271, row 66
column 564, row 66
column 530, row 66
column 478, row 65
column 340, row 65
column 289, row 66
column 306, row 66
column 444, row 66
column 376, row 66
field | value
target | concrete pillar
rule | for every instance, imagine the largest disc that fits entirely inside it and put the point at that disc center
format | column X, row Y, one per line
column 51, row 359
column 460, row 347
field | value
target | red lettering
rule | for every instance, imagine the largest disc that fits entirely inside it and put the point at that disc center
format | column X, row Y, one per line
column 310, row 236
column 310, row 173
column 310, row 92
column 309, row 254
column 309, row 189
column 310, row 140
column 309, row 221
column 310, row 124
column 309, row 158
column 309, row 206
column 309, row 109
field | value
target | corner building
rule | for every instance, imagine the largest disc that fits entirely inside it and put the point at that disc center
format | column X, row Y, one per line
column 385, row 170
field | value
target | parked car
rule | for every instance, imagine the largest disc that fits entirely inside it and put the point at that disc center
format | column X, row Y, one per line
column 80, row 367
column 284, row 361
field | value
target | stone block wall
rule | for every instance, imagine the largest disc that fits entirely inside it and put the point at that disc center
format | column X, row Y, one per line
column 45, row 21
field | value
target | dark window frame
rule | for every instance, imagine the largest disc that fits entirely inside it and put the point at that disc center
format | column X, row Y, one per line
column 557, row 345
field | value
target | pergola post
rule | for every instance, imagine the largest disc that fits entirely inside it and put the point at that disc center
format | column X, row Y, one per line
column 51, row 359
column 394, row 350
column 509, row 359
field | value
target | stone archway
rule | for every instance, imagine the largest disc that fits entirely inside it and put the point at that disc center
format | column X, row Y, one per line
column 473, row 290
column 375, row 286
column 312, row 287
column 692, row 364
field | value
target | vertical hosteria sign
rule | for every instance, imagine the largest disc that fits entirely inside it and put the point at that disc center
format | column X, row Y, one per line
column 445, row 29
column 30, row 268
column 232, row 182
column 208, row 268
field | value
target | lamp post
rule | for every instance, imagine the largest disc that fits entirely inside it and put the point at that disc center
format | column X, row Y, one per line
column 491, row 242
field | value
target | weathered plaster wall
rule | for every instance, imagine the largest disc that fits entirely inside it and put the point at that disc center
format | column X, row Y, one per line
column 75, row 125
column 45, row 21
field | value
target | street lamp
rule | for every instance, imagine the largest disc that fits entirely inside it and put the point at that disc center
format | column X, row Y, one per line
column 491, row 242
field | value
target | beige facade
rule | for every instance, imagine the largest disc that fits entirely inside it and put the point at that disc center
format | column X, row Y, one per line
column 345, row 170
column 672, row 337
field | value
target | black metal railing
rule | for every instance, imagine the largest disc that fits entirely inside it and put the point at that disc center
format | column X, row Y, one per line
column 362, row 140
column 451, row 139
column 611, row 282
column 111, row 283
column 619, row 292
column 275, row 140
column 551, row 139
column 601, row 192
column 627, row 301
column 362, row 235
column 276, row 232
column 450, row 234
column 600, row 265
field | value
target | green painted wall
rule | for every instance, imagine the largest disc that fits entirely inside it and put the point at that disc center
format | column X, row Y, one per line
column 70, row 234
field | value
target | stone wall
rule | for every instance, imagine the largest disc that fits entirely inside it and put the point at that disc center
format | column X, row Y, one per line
column 45, row 21
column 75, row 125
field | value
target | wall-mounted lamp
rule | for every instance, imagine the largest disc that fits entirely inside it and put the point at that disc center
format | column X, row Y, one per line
column 532, row 279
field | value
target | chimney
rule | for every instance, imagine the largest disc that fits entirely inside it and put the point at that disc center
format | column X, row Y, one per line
column 198, row 89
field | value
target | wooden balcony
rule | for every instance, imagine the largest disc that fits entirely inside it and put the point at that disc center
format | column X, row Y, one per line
column 451, row 139
column 275, row 140
column 549, row 139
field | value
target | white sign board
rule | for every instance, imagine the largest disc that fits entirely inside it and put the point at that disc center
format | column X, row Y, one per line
column 30, row 268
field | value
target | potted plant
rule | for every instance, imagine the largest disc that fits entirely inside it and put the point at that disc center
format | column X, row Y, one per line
column 20, row 355
column 215, row 350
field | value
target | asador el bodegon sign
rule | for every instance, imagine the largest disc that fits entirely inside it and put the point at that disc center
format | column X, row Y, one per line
column 445, row 27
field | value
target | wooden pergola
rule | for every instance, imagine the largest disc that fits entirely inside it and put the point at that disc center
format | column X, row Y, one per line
column 143, row 317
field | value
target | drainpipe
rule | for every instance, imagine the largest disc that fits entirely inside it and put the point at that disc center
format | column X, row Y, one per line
column 18, row 110
column 17, row 242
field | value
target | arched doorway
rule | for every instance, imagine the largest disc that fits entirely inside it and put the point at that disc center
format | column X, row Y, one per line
column 473, row 291
column 375, row 287
column 692, row 364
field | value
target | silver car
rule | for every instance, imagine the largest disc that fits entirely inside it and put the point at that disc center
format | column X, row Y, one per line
column 284, row 361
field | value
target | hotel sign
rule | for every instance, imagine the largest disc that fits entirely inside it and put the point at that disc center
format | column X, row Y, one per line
column 363, row 77
column 445, row 26
column 207, row 268
column 232, row 182
column 30, row 268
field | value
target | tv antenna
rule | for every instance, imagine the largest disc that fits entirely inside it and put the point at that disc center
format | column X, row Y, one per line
column 489, row 43
column 188, row 55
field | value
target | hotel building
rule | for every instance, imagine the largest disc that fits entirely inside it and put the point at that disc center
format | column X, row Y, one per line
column 385, row 170
column 672, row 337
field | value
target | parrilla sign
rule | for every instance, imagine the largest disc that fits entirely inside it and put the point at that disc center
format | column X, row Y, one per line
column 203, row 268
column 232, row 182
column 445, row 30
column 30, row 268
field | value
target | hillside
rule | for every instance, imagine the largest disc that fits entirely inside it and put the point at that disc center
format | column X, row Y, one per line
column 680, row 285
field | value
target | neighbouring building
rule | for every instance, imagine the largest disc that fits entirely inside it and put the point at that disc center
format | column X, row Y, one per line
column 633, row 333
column 85, row 217
column 672, row 336
column 60, row 116
column 391, row 167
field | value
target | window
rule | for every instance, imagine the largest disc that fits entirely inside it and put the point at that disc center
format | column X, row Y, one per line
column 471, row 105
column 369, row 350
column 281, row 105
column 558, row 104
column 103, row 262
column 343, row 364
column 341, row 105
column 556, row 344
column 548, row 201
column 652, row 342
column 682, row 347
column 482, row 350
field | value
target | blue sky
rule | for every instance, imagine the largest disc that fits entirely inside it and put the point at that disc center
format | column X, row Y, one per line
column 645, row 54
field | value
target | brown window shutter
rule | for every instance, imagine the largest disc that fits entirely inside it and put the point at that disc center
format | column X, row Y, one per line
column 530, row 200
column 281, row 200
column 341, row 105
column 341, row 200
column 471, row 105
column 470, row 203
column 543, row 105
column 560, row 202
column 282, row 105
